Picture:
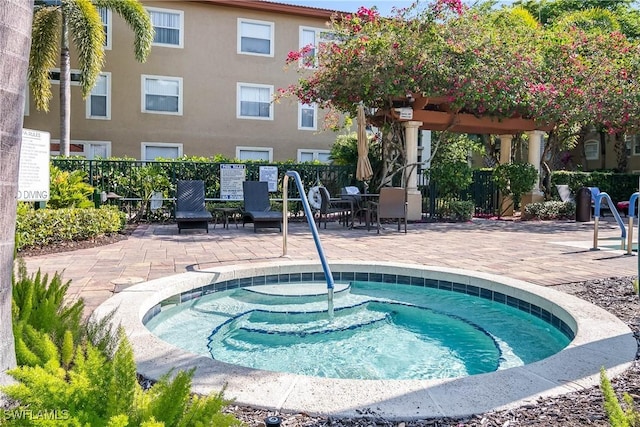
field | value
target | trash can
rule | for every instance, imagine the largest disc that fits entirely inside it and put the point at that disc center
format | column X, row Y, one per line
column 583, row 205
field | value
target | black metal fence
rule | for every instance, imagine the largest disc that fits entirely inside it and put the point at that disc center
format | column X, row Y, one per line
column 482, row 192
column 128, row 178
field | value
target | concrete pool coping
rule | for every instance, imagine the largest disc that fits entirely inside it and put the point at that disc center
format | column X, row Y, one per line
column 601, row 340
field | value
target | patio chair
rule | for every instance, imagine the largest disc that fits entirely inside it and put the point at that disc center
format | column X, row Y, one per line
column 191, row 212
column 328, row 206
column 565, row 193
column 392, row 204
column 257, row 206
column 361, row 208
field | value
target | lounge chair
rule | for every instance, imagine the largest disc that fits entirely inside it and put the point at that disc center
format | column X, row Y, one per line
column 191, row 212
column 257, row 206
column 392, row 204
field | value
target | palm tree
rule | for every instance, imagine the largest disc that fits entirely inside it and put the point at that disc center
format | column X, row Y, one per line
column 15, row 23
column 57, row 21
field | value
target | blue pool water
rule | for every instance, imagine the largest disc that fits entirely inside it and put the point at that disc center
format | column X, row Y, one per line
column 378, row 331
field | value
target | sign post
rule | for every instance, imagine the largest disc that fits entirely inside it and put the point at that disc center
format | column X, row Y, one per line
column 270, row 175
column 33, row 173
column 231, row 178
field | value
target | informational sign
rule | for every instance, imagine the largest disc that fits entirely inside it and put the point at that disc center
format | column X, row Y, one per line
column 231, row 178
column 33, row 175
column 270, row 174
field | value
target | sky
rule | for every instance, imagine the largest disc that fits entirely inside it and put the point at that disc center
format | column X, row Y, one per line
column 385, row 7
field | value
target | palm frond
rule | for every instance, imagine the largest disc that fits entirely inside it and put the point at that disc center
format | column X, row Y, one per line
column 136, row 16
column 85, row 27
column 45, row 48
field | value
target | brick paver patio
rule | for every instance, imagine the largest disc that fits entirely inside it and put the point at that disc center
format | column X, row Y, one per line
column 544, row 253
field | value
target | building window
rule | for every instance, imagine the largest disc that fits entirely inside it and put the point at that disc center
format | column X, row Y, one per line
column 592, row 149
column 254, row 153
column 162, row 95
column 54, row 76
column 168, row 26
column 306, row 155
column 99, row 101
column 105, row 16
column 160, row 150
column 312, row 38
column 307, row 116
column 633, row 145
column 87, row 149
column 255, row 37
column 254, row 101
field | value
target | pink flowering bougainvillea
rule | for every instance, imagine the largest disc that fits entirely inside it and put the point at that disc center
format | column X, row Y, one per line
column 485, row 62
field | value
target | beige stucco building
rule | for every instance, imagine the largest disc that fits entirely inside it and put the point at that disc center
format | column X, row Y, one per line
column 205, row 89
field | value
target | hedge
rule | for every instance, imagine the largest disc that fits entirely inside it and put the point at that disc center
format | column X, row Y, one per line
column 41, row 227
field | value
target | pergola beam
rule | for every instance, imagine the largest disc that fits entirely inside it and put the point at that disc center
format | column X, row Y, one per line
column 435, row 114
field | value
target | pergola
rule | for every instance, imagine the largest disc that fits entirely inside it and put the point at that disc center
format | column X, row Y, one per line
column 417, row 112
column 435, row 114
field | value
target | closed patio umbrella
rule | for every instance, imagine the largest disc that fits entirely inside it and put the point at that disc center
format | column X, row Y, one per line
column 363, row 169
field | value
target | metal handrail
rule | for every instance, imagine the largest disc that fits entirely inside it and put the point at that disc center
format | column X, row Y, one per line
column 616, row 215
column 631, row 213
column 314, row 231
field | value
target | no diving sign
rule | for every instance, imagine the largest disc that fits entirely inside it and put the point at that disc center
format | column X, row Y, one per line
column 33, row 175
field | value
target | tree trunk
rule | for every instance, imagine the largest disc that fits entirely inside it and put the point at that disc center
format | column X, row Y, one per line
column 620, row 147
column 65, row 90
column 15, row 42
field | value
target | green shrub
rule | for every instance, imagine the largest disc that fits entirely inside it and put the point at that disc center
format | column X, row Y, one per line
column 550, row 210
column 96, row 383
column 41, row 227
column 69, row 189
column 515, row 179
column 617, row 415
column 42, row 317
column 456, row 210
column 150, row 178
column 450, row 169
column 102, row 390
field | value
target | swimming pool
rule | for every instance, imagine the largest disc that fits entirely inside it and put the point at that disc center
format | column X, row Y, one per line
column 378, row 330
column 600, row 340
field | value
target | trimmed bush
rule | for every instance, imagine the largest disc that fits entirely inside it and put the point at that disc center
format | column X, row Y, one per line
column 550, row 210
column 456, row 210
column 41, row 227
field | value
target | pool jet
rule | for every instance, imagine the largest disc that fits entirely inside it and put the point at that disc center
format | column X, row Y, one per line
column 312, row 227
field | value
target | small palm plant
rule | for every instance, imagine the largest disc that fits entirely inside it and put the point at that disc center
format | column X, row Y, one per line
column 57, row 21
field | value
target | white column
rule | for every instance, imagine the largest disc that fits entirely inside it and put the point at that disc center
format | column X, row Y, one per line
column 506, row 205
column 535, row 142
column 505, row 148
column 414, row 198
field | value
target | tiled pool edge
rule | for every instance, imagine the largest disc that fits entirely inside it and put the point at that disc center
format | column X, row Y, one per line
column 598, row 333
